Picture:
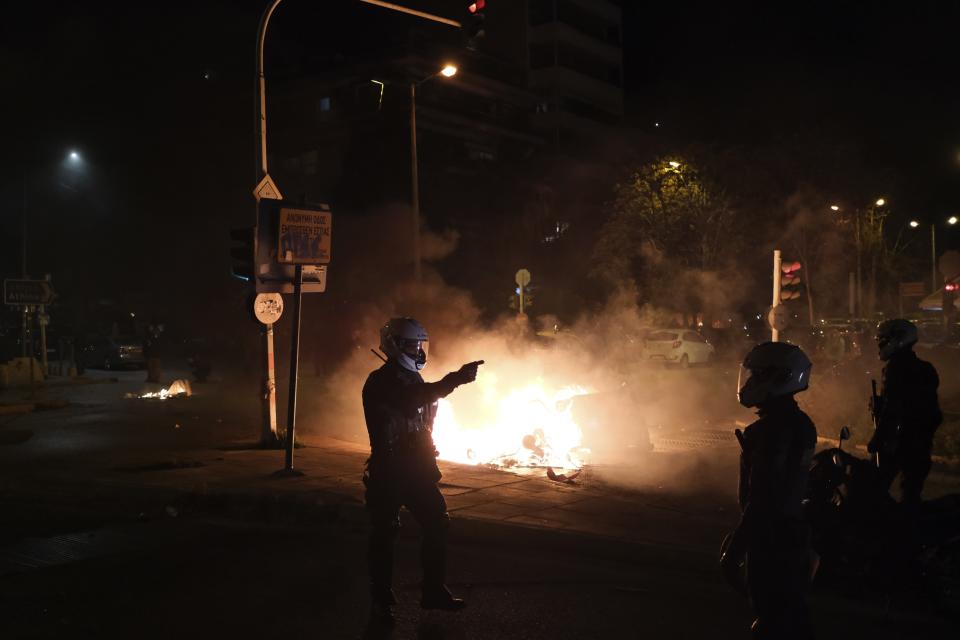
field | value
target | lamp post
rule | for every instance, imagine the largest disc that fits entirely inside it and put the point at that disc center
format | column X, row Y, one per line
column 952, row 220
column 448, row 71
column 73, row 160
column 879, row 202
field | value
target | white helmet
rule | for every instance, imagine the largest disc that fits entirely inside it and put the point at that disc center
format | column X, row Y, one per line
column 772, row 370
column 895, row 335
column 405, row 340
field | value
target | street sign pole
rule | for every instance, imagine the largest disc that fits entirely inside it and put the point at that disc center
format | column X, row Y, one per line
column 774, row 332
column 269, row 407
column 294, row 362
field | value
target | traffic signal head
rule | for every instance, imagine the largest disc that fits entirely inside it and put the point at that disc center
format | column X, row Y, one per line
column 790, row 281
column 243, row 252
column 473, row 24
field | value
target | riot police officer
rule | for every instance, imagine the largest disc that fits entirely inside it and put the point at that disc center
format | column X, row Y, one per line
column 907, row 413
column 774, row 465
column 399, row 408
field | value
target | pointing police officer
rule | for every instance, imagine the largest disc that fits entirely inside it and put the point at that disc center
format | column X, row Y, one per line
column 399, row 408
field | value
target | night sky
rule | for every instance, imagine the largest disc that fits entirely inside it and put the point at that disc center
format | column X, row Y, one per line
column 160, row 104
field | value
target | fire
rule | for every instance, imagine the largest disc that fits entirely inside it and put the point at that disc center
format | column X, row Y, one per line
column 177, row 388
column 527, row 426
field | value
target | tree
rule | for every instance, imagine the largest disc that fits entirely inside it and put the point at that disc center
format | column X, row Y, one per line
column 666, row 221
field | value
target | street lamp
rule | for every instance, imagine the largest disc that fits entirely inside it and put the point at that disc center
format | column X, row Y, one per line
column 448, row 71
column 857, row 282
column 952, row 220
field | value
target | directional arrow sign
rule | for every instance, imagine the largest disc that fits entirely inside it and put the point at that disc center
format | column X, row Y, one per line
column 24, row 292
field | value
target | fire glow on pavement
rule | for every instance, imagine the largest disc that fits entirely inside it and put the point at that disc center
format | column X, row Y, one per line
column 527, row 426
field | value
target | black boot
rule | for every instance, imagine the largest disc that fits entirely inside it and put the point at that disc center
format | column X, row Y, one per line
column 439, row 597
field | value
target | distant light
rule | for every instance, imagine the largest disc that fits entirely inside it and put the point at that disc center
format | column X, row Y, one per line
column 674, row 164
column 914, row 224
column 448, row 71
column 74, row 156
column 881, row 202
column 952, row 220
column 656, row 124
column 133, row 315
column 835, row 207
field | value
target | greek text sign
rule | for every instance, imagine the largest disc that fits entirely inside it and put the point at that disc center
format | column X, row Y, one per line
column 304, row 236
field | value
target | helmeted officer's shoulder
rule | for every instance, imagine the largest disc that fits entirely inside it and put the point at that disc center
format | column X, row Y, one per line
column 377, row 378
column 926, row 371
column 808, row 430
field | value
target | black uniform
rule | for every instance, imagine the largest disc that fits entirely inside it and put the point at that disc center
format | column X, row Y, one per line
column 908, row 416
column 399, row 408
column 774, row 465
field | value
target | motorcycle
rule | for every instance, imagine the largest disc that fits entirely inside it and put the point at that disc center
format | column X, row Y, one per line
column 860, row 532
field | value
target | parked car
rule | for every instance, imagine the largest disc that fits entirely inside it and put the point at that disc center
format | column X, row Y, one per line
column 104, row 352
column 677, row 346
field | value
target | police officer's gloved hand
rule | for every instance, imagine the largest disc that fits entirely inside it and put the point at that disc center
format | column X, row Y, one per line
column 466, row 374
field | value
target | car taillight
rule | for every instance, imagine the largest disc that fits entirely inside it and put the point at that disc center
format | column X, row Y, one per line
column 677, row 344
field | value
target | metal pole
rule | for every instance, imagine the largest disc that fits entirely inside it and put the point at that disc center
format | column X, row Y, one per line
column 262, row 88
column 43, row 341
column 268, row 431
column 521, row 299
column 852, row 293
column 414, row 183
column 933, row 257
column 23, row 234
column 24, row 330
column 774, row 332
column 859, row 271
column 294, row 362
column 269, row 406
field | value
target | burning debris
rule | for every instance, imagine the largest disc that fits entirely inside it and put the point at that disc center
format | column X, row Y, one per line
column 526, row 427
column 177, row 389
column 561, row 477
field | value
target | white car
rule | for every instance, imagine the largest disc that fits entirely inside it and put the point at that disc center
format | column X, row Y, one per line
column 677, row 346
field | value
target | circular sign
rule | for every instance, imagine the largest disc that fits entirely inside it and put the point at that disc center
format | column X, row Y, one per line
column 778, row 317
column 268, row 307
column 949, row 264
column 523, row 277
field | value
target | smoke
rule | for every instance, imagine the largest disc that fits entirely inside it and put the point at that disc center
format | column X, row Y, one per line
column 620, row 403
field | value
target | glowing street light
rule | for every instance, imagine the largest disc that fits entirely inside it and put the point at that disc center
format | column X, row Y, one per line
column 834, row 207
column 74, row 156
column 952, row 220
column 880, row 202
column 914, row 224
column 449, row 70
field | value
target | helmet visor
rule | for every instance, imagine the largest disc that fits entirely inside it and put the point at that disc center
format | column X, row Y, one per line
column 418, row 350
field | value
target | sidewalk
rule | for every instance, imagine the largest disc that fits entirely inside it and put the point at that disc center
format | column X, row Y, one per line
column 243, row 479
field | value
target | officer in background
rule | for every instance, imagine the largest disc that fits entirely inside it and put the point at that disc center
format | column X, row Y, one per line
column 774, row 465
column 399, row 408
column 907, row 412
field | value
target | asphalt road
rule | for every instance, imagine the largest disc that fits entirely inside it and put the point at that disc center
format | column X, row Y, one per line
column 82, row 564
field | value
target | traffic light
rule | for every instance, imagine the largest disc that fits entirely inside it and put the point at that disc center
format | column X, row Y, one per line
column 790, row 281
column 243, row 252
column 949, row 297
column 473, row 24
